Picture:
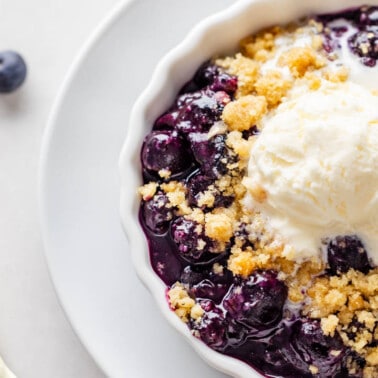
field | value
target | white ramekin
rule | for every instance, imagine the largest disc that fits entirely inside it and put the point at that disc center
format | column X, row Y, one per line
column 218, row 34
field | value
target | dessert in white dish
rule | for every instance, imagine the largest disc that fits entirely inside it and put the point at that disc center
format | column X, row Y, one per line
column 236, row 179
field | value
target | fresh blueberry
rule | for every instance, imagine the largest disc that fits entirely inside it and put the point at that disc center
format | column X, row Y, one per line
column 165, row 150
column 347, row 252
column 12, row 71
column 157, row 213
column 257, row 301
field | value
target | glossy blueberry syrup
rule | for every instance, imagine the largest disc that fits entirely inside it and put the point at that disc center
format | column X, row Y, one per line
column 363, row 42
column 249, row 319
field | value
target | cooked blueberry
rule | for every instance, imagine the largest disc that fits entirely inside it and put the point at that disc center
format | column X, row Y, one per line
column 225, row 82
column 354, row 327
column 208, row 305
column 165, row 150
column 250, row 132
column 157, row 213
column 205, row 282
column 236, row 333
column 192, row 276
column 310, row 340
column 369, row 16
column 211, row 328
column 189, row 238
column 208, row 289
column 338, row 31
column 200, row 184
column 166, row 121
column 330, row 44
column 202, row 147
column 189, row 87
column 352, row 15
column 311, row 347
column 347, row 252
column 242, row 236
column 257, row 301
column 206, row 74
column 197, row 185
column 364, row 44
column 12, row 71
column 223, row 201
column 198, row 111
column 212, row 154
column 192, row 244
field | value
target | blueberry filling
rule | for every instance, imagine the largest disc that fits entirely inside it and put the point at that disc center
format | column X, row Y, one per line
column 363, row 42
column 250, row 318
column 346, row 252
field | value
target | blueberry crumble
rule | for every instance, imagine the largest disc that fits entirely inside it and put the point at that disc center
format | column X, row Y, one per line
column 260, row 199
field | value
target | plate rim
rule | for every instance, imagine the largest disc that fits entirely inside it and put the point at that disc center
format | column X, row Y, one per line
column 95, row 35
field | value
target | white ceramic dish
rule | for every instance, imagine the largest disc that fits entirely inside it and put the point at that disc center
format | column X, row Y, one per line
column 218, row 34
column 86, row 250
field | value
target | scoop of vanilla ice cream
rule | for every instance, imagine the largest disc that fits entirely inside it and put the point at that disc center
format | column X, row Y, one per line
column 316, row 161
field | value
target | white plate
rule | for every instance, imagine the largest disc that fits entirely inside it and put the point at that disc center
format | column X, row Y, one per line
column 86, row 249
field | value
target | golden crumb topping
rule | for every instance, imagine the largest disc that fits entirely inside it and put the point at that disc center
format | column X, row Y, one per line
column 182, row 303
column 246, row 69
column 219, row 226
column 273, row 87
column 148, row 190
column 300, row 60
column 261, row 46
column 245, row 112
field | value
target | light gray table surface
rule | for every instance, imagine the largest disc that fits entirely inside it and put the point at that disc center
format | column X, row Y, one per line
column 36, row 340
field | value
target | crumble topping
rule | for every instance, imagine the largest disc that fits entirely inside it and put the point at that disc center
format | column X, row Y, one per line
column 261, row 46
column 147, row 191
column 245, row 69
column 245, row 112
column 301, row 60
column 273, row 86
column 182, row 304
